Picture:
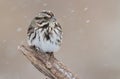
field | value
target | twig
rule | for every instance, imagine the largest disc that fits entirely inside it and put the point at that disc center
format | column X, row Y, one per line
column 52, row 68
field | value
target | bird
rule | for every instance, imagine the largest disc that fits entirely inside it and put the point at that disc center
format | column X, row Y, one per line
column 45, row 33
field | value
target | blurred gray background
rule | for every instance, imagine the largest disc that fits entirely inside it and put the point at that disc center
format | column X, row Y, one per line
column 91, row 44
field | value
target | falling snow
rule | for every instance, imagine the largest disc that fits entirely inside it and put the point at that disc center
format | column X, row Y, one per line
column 88, row 21
column 85, row 9
column 45, row 4
column 14, row 8
column 25, row 17
column 6, row 62
column 72, row 11
column 19, row 29
column 4, row 41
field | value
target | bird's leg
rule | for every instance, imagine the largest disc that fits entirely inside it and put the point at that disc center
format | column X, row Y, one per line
column 51, row 55
column 34, row 48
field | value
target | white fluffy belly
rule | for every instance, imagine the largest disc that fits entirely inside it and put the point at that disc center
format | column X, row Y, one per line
column 44, row 45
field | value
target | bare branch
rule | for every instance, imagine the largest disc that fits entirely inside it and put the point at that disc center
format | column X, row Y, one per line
column 52, row 68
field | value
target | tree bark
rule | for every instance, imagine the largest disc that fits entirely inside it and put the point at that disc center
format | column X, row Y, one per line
column 46, row 64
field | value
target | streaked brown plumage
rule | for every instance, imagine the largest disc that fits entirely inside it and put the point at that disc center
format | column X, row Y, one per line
column 45, row 33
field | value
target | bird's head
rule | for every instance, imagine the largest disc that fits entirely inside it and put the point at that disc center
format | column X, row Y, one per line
column 43, row 18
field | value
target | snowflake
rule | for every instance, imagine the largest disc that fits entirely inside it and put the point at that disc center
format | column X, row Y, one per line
column 19, row 29
column 88, row 21
column 85, row 9
column 4, row 41
column 45, row 4
column 72, row 11
column 25, row 17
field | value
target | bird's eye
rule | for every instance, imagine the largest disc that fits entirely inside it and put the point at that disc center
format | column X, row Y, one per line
column 45, row 17
column 37, row 18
